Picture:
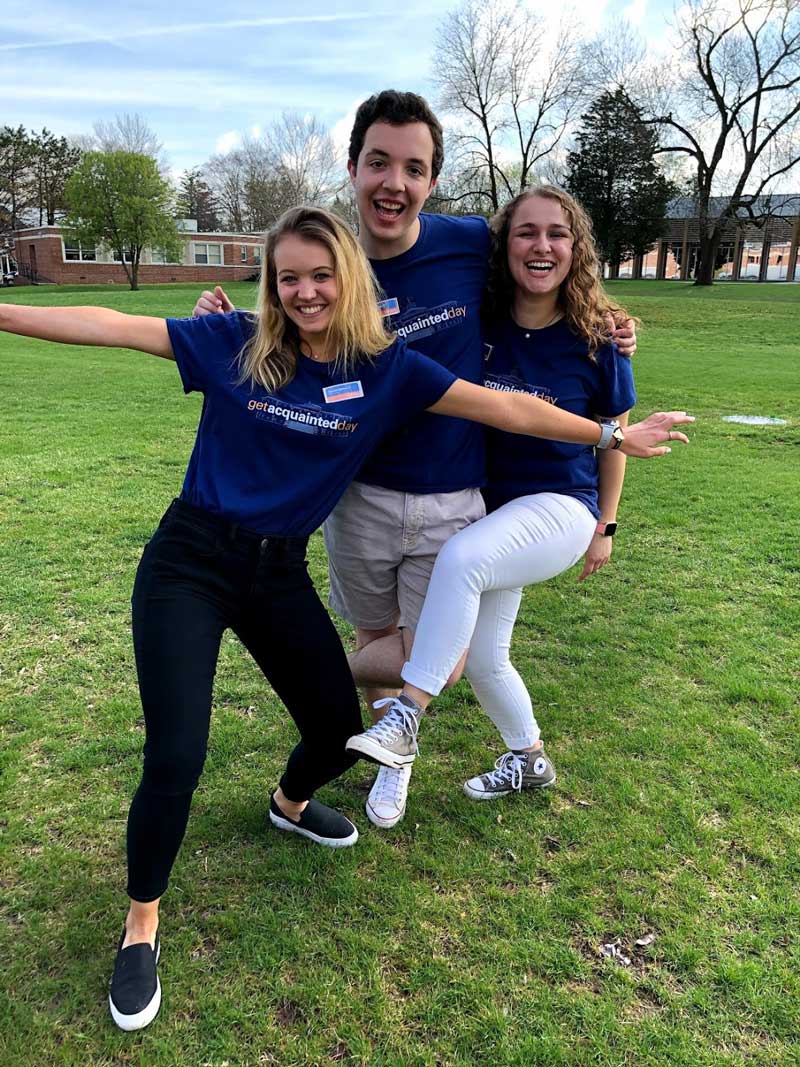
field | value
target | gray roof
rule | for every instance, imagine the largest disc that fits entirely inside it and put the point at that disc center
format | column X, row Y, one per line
column 785, row 205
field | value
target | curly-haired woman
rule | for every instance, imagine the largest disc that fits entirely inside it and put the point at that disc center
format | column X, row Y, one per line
column 549, row 326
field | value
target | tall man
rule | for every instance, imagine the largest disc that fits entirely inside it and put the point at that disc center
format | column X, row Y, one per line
column 422, row 485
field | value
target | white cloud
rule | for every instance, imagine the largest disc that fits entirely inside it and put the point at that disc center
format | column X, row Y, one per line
column 184, row 28
column 340, row 132
column 635, row 13
column 227, row 141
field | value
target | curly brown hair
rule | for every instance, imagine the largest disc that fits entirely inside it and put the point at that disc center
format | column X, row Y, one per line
column 588, row 311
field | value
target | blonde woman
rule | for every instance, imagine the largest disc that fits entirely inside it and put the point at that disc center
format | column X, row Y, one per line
column 295, row 398
column 549, row 504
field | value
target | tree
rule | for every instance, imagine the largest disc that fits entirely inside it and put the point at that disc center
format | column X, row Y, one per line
column 738, row 89
column 513, row 90
column 17, row 190
column 295, row 162
column 303, row 154
column 54, row 159
column 614, row 175
column 120, row 200
column 196, row 201
column 128, row 133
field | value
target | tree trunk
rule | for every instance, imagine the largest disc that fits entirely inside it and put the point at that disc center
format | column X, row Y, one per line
column 709, row 246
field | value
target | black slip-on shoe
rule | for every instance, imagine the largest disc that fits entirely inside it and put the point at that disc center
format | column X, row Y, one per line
column 135, row 995
column 318, row 823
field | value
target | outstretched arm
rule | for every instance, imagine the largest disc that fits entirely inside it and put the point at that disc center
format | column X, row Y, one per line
column 521, row 413
column 88, row 326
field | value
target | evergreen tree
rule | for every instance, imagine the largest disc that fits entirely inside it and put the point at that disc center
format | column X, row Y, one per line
column 54, row 160
column 196, row 201
column 615, row 177
column 17, row 187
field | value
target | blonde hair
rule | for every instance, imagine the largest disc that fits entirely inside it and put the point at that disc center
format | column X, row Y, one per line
column 356, row 331
column 581, row 296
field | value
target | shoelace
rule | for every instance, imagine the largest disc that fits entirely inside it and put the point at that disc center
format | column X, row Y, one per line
column 390, row 785
column 509, row 766
column 399, row 720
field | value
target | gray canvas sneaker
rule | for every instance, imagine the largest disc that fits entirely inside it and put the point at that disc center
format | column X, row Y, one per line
column 513, row 772
column 393, row 740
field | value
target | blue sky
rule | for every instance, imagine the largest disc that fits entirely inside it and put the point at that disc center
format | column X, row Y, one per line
column 201, row 78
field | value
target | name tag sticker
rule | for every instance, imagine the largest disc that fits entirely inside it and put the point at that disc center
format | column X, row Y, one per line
column 343, row 391
column 389, row 307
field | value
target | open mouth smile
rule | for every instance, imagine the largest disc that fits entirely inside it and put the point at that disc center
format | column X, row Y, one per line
column 389, row 210
column 540, row 266
column 311, row 309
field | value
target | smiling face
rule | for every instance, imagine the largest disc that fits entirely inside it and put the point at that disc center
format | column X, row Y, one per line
column 307, row 288
column 540, row 242
column 392, row 178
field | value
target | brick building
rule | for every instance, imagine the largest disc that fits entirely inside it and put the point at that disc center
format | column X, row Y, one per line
column 767, row 250
column 44, row 255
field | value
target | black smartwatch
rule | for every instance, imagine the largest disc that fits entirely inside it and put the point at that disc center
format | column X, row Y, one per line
column 606, row 529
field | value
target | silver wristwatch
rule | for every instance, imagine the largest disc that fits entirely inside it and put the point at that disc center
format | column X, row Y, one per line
column 611, row 435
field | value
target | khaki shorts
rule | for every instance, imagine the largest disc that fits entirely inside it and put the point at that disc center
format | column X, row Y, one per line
column 382, row 545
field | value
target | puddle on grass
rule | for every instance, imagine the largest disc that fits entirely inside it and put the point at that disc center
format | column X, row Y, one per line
column 754, row 420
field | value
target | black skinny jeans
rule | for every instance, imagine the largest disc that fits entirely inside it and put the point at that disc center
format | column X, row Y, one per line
column 199, row 575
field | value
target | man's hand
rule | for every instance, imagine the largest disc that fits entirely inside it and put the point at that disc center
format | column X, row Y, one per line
column 652, row 436
column 212, row 303
column 624, row 337
column 597, row 555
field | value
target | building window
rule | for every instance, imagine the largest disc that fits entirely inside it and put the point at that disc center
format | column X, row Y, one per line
column 208, row 254
column 243, row 253
column 257, row 256
column 118, row 257
column 75, row 251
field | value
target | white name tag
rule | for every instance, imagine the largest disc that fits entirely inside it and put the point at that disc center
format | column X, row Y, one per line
column 343, row 391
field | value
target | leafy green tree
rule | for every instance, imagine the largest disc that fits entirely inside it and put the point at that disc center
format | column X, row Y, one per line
column 614, row 175
column 119, row 199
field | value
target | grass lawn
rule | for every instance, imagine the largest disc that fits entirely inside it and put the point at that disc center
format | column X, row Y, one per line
column 470, row 935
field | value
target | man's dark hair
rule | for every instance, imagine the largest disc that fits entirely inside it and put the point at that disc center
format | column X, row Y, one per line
column 397, row 109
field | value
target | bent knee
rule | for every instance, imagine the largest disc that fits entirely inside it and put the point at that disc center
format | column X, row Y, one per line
column 455, row 677
column 365, row 637
column 461, row 557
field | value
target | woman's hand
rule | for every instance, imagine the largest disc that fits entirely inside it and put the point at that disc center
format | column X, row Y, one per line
column 597, row 555
column 625, row 338
column 216, row 303
column 653, row 435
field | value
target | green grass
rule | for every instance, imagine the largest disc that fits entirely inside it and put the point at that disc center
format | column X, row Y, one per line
column 667, row 691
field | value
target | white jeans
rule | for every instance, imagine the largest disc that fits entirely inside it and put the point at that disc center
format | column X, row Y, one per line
column 474, row 596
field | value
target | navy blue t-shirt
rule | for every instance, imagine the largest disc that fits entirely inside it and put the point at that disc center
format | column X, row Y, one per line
column 552, row 364
column 436, row 288
column 278, row 462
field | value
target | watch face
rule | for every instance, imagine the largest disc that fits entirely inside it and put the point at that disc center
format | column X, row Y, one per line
column 610, row 530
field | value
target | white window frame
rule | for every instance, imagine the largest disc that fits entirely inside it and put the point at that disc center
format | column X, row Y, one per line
column 88, row 255
column 208, row 261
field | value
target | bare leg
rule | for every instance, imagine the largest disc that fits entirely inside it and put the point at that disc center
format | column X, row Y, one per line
column 291, row 809
column 141, row 923
column 376, row 664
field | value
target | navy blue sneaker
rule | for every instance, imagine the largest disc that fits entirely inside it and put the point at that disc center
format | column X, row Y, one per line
column 318, row 823
column 135, row 995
